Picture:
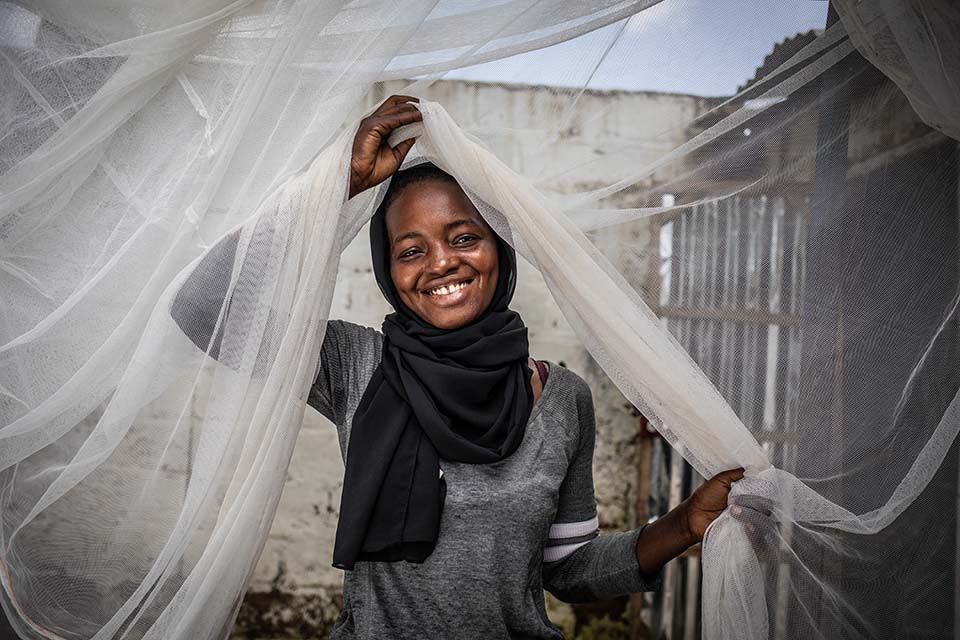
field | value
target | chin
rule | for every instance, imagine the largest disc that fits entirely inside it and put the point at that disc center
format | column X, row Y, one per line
column 450, row 321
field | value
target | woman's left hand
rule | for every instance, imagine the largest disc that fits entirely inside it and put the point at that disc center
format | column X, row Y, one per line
column 708, row 502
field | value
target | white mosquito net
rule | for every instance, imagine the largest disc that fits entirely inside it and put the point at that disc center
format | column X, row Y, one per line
column 801, row 321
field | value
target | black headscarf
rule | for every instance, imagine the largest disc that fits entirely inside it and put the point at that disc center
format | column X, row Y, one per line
column 462, row 394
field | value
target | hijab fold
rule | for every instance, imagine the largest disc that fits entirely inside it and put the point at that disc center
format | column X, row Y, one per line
column 462, row 395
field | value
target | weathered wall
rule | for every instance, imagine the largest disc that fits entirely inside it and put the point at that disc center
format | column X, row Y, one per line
column 295, row 591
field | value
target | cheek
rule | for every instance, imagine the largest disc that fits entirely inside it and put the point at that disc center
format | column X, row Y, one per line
column 404, row 279
column 490, row 268
column 493, row 270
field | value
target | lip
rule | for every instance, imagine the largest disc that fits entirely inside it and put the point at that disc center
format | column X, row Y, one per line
column 449, row 299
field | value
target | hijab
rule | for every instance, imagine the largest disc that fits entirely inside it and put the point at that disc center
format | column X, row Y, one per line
column 461, row 394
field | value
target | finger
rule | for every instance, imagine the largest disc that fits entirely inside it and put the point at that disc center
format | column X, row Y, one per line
column 394, row 100
column 730, row 476
column 386, row 124
column 399, row 105
column 397, row 97
column 400, row 108
column 400, row 151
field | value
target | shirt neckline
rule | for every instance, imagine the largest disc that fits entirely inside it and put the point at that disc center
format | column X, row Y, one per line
column 538, row 405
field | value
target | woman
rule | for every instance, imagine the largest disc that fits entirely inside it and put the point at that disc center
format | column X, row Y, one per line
column 468, row 487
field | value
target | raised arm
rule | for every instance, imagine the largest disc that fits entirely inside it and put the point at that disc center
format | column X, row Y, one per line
column 202, row 298
column 198, row 304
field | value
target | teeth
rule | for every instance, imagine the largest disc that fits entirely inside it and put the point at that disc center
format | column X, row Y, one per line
column 445, row 289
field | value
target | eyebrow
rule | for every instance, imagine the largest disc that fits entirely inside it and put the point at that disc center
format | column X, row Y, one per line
column 450, row 225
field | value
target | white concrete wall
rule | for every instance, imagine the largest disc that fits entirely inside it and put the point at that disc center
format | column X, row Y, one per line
column 569, row 141
column 298, row 554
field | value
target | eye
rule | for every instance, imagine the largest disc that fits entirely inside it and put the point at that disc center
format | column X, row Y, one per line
column 465, row 239
column 409, row 253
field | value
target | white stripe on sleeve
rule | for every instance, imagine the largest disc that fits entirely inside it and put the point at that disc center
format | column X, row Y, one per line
column 559, row 552
column 573, row 529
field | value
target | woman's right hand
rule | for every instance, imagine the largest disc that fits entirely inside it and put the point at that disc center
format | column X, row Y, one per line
column 374, row 160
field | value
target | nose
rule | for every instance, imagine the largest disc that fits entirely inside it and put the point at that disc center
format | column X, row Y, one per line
column 444, row 260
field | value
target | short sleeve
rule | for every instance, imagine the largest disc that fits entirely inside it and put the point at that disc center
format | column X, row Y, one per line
column 347, row 358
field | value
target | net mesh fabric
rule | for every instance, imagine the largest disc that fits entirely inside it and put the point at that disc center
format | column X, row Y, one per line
column 802, row 321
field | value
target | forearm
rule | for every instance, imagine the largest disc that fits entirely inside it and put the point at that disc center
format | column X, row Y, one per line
column 605, row 568
column 663, row 540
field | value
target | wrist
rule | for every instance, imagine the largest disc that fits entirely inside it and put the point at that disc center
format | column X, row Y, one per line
column 685, row 530
column 664, row 539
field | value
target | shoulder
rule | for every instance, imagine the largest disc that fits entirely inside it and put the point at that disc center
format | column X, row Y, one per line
column 349, row 334
column 352, row 346
column 348, row 357
column 350, row 352
column 568, row 400
column 568, row 387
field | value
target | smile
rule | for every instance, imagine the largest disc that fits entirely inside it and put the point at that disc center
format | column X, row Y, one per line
column 447, row 289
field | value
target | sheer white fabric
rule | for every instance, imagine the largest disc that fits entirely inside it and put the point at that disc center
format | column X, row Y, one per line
column 139, row 477
column 915, row 44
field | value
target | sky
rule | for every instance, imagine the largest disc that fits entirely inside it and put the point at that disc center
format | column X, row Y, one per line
column 698, row 47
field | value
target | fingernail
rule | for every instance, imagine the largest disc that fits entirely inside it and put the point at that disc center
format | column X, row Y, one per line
column 736, row 511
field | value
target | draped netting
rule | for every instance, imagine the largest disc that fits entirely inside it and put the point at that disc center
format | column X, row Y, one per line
column 801, row 321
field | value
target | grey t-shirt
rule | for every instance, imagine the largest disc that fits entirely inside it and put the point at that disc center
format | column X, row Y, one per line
column 508, row 531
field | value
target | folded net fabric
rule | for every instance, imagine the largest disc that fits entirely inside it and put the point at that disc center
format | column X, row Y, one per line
column 816, row 208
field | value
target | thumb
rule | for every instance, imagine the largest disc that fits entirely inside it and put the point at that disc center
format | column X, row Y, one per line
column 400, row 151
column 729, row 476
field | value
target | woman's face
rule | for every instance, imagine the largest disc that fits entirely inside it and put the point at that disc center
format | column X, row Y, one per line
column 443, row 256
